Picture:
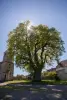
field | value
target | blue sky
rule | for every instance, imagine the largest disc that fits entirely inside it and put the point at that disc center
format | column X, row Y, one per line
column 48, row 12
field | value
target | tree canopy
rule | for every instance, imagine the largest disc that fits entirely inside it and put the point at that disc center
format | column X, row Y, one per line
column 32, row 48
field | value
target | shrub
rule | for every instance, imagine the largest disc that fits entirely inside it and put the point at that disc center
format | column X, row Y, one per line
column 50, row 75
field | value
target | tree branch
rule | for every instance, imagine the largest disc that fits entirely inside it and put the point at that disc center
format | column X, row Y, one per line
column 42, row 55
column 30, row 57
column 36, row 56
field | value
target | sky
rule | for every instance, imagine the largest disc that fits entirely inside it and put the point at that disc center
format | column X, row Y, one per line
column 52, row 13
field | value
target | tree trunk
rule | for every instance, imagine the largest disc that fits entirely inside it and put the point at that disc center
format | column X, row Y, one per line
column 37, row 76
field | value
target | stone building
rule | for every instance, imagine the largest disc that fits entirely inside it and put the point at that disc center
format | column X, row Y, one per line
column 61, row 70
column 6, row 68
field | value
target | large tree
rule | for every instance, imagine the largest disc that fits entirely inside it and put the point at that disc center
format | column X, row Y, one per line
column 32, row 48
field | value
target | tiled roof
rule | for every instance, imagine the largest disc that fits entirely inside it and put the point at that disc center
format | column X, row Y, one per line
column 52, row 69
column 63, row 63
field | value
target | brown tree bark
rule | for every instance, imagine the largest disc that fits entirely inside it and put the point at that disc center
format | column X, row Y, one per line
column 37, row 76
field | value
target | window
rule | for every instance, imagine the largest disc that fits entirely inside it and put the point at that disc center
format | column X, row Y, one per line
column 9, row 64
column 0, row 67
column 65, row 70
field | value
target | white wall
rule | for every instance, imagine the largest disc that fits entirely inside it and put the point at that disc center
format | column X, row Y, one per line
column 62, row 73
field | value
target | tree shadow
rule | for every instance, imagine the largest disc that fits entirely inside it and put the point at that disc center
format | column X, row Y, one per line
column 21, row 91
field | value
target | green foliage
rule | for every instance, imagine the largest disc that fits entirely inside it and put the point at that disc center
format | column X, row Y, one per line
column 19, row 77
column 32, row 49
column 50, row 75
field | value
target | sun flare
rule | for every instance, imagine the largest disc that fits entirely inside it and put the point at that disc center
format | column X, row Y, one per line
column 29, row 26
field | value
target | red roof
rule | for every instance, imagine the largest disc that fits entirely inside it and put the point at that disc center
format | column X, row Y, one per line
column 63, row 63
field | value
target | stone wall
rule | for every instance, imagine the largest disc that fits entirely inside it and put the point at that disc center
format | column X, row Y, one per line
column 6, row 68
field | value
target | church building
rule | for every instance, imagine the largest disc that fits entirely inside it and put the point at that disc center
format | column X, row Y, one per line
column 6, row 68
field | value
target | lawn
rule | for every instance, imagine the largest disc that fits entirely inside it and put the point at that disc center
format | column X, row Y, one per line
column 53, row 82
column 17, row 81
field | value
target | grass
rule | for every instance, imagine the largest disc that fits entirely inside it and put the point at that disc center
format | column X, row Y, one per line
column 43, row 82
column 53, row 82
column 17, row 81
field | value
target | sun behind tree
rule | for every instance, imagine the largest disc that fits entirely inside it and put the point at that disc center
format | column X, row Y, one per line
column 32, row 49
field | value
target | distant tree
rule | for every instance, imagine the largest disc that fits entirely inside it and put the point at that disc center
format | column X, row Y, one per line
column 32, row 48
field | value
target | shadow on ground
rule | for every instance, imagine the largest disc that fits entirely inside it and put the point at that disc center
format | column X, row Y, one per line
column 20, row 91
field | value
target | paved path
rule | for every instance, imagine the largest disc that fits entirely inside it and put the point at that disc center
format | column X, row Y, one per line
column 3, row 84
column 38, row 92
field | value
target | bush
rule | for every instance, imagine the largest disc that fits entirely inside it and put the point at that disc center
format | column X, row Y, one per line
column 50, row 75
